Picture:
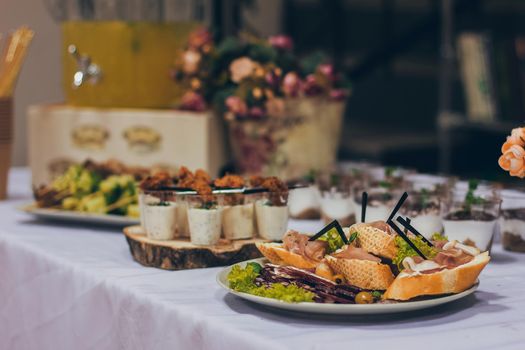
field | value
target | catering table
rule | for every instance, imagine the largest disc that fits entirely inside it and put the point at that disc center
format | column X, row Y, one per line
column 74, row 287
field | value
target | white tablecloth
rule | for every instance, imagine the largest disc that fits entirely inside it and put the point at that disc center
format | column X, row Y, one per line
column 66, row 287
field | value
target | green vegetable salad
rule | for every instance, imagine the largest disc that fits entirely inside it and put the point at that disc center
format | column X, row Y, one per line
column 405, row 250
column 243, row 280
column 87, row 191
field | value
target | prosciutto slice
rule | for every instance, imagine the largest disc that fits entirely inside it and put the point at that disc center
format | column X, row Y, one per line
column 298, row 243
column 381, row 225
column 351, row 252
column 453, row 257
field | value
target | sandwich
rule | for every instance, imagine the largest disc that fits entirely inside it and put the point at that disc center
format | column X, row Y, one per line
column 454, row 269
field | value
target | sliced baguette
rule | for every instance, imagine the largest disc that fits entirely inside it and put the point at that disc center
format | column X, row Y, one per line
column 280, row 256
column 268, row 250
column 407, row 286
column 375, row 241
column 362, row 273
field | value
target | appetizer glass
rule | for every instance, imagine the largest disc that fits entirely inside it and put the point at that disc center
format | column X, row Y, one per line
column 238, row 217
column 271, row 211
column 471, row 219
column 335, row 197
column 158, row 214
column 381, row 201
column 513, row 220
column 304, row 202
column 423, row 209
column 204, row 218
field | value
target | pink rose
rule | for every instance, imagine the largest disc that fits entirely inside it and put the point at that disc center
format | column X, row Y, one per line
column 236, row 105
column 291, row 84
column 338, row 94
column 327, row 70
column 192, row 101
column 190, row 61
column 199, row 38
column 311, row 87
column 283, row 42
column 256, row 112
column 241, row 68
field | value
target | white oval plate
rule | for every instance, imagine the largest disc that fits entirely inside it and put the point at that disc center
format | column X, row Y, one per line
column 339, row 309
column 79, row 217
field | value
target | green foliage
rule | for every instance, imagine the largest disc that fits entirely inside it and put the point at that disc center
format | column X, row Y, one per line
column 404, row 250
column 333, row 239
column 243, row 280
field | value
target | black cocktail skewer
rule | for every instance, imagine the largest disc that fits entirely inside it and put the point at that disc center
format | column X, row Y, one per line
column 334, row 224
column 364, row 202
column 405, row 238
column 406, row 224
column 400, row 202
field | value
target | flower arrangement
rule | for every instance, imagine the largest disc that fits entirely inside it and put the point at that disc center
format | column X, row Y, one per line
column 251, row 77
column 195, row 71
column 513, row 153
column 266, row 73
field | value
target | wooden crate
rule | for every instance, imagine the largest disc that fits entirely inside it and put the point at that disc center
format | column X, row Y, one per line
column 60, row 135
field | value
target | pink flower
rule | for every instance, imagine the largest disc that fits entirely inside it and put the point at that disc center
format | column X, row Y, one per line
column 190, row 61
column 199, row 38
column 283, row 42
column 275, row 107
column 327, row 70
column 256, row 112
column 338, row 94
column 311, row 87
column 236, row 105
column 192, row 101
column 241, row 68
column 291, row 84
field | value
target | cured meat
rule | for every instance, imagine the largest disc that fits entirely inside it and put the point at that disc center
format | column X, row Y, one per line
column 352, row 252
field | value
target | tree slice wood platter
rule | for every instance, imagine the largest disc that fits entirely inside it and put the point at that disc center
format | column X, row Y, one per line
column 181, row 254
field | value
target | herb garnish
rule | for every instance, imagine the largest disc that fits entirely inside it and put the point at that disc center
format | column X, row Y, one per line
column 352, row 238
column 470, row 197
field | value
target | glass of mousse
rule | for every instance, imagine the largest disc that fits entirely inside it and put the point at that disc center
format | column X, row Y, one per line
column 271, row 211
column 470, row 216
column 204, row 219
column 158, row 211
column 513, row 220
column 335, row 197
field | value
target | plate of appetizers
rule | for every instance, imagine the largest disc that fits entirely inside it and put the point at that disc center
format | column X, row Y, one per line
column 367, row 268
column 103, row 193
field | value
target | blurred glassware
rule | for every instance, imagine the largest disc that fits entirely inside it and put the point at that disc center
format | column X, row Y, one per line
column 512, row 220
column 238, row 216
column 204, row 219
column 381, row 201
column 423, row 209
column 471, row 217
column 335, row 197
column 271, row 211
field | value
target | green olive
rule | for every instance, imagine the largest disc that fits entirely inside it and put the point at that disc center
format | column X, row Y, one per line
column 364, row 298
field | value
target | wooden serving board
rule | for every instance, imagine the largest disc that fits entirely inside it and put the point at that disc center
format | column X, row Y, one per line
column 182, row 255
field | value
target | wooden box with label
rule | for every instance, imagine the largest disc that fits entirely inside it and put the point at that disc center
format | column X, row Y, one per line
column 60, row 135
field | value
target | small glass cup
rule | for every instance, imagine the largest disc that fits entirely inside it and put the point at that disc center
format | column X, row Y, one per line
column 335, row 198
column 271, row 211
column 238, row 215
column 158, row 214
column 204, row 218
column 304, row 202
column 513, row 220
column 472, row 221
column 381, row 201
column 424, row 210
column 430, row 183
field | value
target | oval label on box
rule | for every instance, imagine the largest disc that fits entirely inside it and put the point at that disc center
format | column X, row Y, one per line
column 142, row 139
column 90, row 136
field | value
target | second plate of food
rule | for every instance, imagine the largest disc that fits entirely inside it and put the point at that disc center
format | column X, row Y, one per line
column 339, row 309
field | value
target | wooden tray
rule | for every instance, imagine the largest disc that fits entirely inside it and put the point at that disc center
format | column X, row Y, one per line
column 182, row 255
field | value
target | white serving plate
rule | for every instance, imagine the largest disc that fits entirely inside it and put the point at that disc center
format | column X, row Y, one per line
column 79, row 217
column 340, row 309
